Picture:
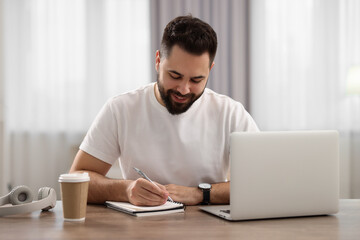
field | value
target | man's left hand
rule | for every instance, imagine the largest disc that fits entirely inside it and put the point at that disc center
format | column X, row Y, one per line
column 186, row 195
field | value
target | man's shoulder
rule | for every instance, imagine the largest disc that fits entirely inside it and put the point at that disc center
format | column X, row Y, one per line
column 214, row 97
column 131, row 96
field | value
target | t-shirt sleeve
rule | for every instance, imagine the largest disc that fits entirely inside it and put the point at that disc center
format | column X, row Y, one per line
column 101, row 141
column 243, row 121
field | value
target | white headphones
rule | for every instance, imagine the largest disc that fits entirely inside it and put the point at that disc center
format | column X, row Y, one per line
column 21, row 199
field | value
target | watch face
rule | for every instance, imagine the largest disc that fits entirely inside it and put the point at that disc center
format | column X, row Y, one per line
column 204, row 186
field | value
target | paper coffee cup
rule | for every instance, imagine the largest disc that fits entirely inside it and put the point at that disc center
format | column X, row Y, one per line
column 74, row 193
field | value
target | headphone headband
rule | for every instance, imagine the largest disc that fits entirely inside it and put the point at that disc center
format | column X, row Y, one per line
column 44, row 204
column 5, row 199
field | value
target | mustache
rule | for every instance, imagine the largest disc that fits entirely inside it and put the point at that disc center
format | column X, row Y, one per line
column 189, row 95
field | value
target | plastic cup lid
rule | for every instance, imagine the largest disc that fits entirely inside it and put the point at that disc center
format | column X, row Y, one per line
column 74, row 177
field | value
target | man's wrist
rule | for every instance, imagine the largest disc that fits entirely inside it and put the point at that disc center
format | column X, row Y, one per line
column 206, row 189
column 127, row 190
column 198, row 195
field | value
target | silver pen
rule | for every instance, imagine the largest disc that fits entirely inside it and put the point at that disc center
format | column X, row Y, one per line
column 146, row 177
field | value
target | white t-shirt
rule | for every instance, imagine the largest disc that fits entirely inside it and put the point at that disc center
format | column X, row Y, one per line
column 185, row 149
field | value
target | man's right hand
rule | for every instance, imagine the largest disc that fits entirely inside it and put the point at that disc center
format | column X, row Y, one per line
column 141, row 192
column 101, row 189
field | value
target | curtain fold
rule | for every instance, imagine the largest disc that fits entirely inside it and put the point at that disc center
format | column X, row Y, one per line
column 63, row 59
column 301, row 52
column 3, row 167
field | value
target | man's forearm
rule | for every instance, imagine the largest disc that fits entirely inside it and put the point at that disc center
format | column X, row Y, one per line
column 103, row 189
column 220, row 193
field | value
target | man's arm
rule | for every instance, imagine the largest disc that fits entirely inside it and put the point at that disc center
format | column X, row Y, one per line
column 101, row 188
column 220, row 194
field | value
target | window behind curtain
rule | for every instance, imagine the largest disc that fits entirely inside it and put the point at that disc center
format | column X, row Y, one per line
column 63, row 59
column 301, row 52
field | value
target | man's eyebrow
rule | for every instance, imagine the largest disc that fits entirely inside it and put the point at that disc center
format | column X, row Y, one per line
column 197, row 77
column 175, row 72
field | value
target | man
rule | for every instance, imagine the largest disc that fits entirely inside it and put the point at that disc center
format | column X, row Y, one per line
column 175, row 130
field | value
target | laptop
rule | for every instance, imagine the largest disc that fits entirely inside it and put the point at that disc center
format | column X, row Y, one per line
column 281, row 174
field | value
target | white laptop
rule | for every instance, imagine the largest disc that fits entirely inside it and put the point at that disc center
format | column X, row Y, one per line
column 282, row 174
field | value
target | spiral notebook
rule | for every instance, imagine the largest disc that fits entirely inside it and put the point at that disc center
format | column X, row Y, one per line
column 167, row 208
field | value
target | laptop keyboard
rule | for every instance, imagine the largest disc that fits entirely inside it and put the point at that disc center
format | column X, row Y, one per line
column 225, row 211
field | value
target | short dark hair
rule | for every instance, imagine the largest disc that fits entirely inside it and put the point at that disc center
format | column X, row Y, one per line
column 191, row 34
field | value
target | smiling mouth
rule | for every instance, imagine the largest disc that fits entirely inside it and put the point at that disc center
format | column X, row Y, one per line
column 179, row 99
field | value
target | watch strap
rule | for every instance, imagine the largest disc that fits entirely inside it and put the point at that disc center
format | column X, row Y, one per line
column 206, row 197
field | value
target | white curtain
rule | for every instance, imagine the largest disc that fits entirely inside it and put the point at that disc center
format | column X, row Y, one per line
column 229, row 19
column 301, row 52
column 62, row 60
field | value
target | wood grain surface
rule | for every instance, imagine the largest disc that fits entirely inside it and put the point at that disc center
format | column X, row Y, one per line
column 104, row 223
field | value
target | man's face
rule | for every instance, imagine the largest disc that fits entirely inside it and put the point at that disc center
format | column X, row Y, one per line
column 181, row 79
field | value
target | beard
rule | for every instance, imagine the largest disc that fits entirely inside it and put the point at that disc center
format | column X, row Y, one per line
column 173, row 107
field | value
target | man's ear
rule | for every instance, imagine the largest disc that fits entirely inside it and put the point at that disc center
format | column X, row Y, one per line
column 213, row 63
column 157, row 60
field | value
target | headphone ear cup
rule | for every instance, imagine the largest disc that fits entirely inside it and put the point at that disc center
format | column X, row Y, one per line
column 43, row 192
column 20, row 195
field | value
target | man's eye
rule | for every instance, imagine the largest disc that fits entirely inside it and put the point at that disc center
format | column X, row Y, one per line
column 173, row 77
column 196, row 81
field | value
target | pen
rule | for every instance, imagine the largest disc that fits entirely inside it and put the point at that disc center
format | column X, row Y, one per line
column 146, row 177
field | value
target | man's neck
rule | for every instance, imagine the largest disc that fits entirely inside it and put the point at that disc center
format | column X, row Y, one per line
column 157, row 95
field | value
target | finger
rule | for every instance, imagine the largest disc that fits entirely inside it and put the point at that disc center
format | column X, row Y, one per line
column 142, row 197
column 145, row 197
column 169, row 187
column 150, row 189
column 172, row 188
column 155, row 189
column 146, row 201
column 162, row 187
column 150, row 195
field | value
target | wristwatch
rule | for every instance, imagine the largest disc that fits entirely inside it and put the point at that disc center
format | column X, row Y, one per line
column 205, row 188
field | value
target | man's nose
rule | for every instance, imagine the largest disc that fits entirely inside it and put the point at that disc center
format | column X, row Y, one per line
column 184, row 87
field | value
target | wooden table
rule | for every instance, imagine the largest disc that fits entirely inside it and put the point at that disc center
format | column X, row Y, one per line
column 104, row 223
